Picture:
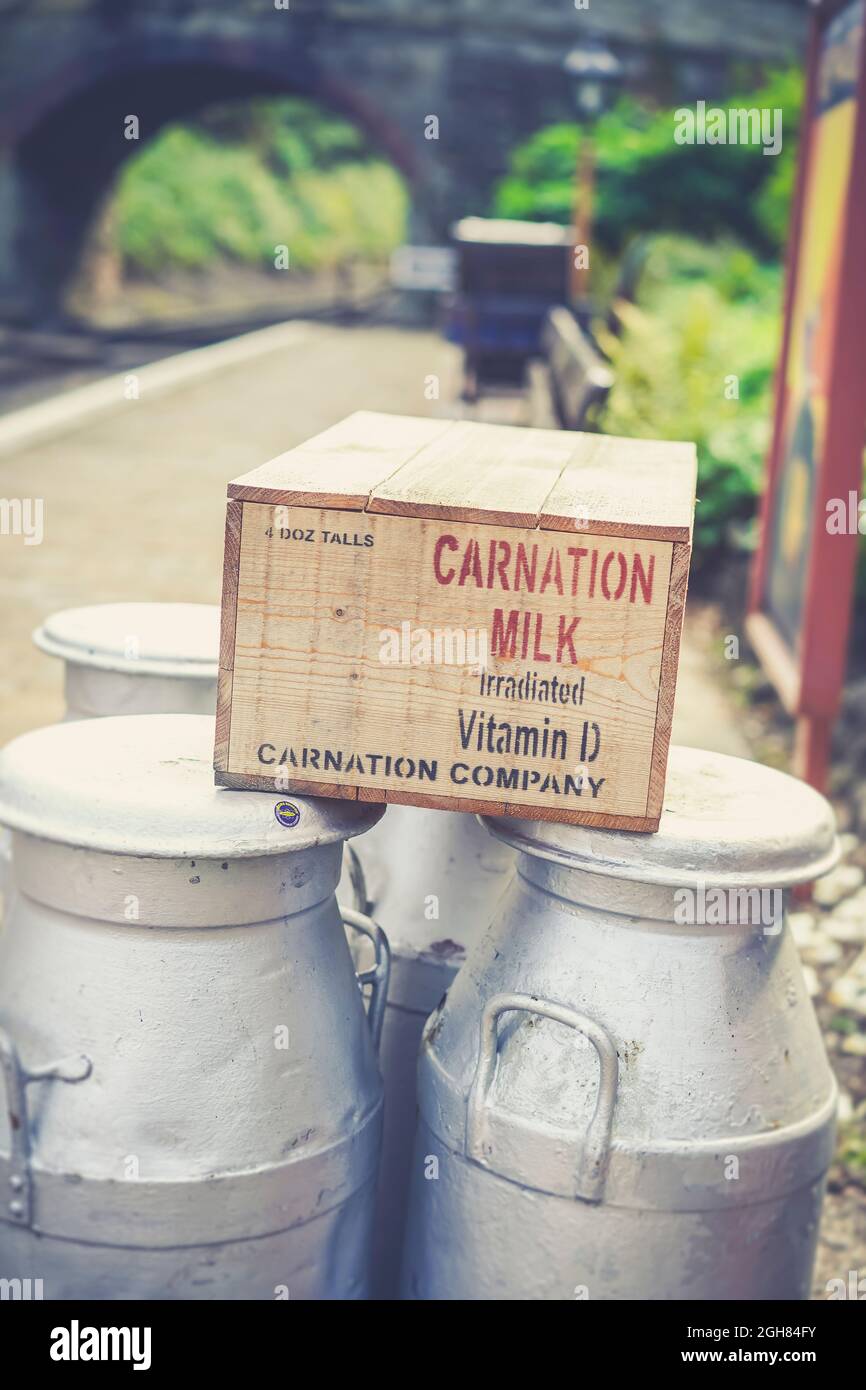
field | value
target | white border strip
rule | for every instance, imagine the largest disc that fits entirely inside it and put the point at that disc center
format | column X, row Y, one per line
column 72, row 409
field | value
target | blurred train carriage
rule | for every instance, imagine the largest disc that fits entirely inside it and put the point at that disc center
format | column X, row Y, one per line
column 509, row 274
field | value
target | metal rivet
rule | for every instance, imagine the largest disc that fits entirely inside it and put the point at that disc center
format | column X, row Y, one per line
column 16, row 1209
column 16, row 1182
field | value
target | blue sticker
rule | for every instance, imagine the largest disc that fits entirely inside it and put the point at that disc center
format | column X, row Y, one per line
column 287, row 813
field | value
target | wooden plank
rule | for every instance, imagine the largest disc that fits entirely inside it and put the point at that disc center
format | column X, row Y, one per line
column 231, row 560
column 516, row 810
column 624, row 487
column 341, row 466
column 228, row 621
column 596, row 819
column 777, row 659
column 244, row 782
column 679, row 583
column 580, row 376
column 445, row 803
column 223, row 721
column 493, row 475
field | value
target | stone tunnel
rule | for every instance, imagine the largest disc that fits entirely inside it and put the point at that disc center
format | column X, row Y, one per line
column 72, row 71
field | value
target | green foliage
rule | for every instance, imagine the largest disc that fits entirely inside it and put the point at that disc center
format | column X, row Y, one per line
column 775, row 197
column 297, row 133
column 710, row 296
column 852, row 1150
column 647, row 182
column 248, row 178
column 708, row 313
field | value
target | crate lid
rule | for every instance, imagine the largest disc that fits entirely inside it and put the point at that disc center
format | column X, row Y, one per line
column 726, row 822
column 143, row 785
column 155, row 639
column 463, row 470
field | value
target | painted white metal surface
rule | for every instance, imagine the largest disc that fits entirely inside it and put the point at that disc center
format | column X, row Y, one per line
column 135, row 658
column 726, row 820
column 147, row 789
column 433, row 880
column 131, row 658
column 70, row 410
column 626, row 1093
column 193, row 1105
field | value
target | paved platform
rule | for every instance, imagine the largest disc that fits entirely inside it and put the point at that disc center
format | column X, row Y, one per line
column 704, row 715
column 134, row 496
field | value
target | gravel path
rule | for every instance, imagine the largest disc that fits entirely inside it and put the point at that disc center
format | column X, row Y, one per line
column 134, row 503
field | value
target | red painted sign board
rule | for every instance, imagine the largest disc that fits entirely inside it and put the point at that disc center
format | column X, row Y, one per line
column 803, row 577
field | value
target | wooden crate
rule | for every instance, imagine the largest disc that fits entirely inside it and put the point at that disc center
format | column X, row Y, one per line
column 467, row 616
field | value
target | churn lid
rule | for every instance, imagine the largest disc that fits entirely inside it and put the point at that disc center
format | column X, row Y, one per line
column 143, row 784
column 155, row 639
column 726, row 821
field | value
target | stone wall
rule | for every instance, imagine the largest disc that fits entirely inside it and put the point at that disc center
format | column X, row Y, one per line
column 490, row 70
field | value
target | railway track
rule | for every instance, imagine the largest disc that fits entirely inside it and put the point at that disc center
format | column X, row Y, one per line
column 38, row 362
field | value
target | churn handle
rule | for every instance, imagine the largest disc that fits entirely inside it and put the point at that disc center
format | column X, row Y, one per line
column 16, row 1079
column 377, row 977
column 357, row 877
column 590, row 1175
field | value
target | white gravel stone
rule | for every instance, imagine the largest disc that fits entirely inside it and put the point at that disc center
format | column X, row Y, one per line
column 840, row 883
column 813, row 984
column 858, row 966
column 849, row 992
column 812, row 940
column 848, row 843
column 822, row 951
column 851, row 909
column 846, row 930
column 802, row 926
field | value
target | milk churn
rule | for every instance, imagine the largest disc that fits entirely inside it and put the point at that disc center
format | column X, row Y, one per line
column 626, row 1093
column 144, row 658
column 136, row 658
column 192, row 1103
column 433, row 879
column 131, row 658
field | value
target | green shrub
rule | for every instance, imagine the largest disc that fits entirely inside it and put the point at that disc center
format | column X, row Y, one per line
column 647, row 182
column 246, row 179
column 696, row 362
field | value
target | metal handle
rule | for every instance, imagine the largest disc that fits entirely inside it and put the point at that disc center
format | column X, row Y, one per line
column 591, row 1163
column 356, row 877
column 17, row 1078
column 377, row 977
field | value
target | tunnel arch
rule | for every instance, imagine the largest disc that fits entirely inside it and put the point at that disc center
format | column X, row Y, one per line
column 69, row 144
